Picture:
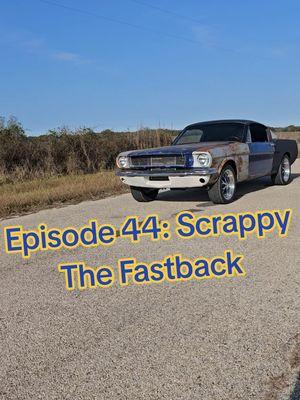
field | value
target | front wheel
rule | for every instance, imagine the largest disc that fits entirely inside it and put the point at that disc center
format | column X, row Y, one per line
column 283, row 176
column 143, row 194
column 223, row 191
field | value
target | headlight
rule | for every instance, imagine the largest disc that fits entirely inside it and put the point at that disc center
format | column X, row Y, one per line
column 122, row 162
column 202, row 160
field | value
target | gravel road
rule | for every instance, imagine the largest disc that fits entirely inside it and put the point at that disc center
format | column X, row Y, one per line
column 215, row 339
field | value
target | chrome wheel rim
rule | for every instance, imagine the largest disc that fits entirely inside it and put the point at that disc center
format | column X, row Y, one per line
column 285, row 169
column 227, row 184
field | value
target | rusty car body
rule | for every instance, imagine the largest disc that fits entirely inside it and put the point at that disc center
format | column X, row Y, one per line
column 214, row 154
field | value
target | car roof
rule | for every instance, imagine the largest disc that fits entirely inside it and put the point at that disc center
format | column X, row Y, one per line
column 223, row 121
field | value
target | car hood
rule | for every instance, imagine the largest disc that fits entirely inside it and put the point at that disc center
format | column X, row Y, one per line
column 177, row 149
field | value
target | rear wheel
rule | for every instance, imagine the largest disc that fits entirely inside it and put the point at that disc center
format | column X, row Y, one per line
column 143, row 194
column 283, row 176
column 223, row 191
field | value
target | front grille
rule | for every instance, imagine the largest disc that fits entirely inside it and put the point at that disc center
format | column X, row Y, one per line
column 158, row 161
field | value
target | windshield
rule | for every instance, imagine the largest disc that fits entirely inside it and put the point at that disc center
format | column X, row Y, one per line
column 220, row 132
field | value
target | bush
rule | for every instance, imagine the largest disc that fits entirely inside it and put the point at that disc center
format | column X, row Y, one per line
column 64, row 151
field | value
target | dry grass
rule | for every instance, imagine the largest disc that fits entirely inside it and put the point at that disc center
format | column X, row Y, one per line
column 31, row 195
column 290, row 135
column 28, row 196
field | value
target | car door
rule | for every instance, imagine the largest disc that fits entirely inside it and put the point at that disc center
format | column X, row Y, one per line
column 261, row 151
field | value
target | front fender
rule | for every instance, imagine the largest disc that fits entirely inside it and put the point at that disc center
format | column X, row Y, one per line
column 238, row 153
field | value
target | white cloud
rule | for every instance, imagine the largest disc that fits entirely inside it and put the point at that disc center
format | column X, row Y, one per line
column 278, row 52
column 38, row 47
column 66, row 56
column 204, row 35
column 70, row 57
column 32, row 44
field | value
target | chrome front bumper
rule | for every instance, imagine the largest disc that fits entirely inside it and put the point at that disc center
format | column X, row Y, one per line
column 195, row 177
column 189, row 172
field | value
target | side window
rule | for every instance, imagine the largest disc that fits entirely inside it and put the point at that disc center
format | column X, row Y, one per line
column 258, row 133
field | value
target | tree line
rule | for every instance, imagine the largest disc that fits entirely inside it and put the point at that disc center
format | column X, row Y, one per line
column 64, row 151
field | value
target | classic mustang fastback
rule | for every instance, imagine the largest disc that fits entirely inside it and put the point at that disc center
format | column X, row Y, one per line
column 214, row 154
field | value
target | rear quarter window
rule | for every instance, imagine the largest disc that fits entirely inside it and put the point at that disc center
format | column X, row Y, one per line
column 258, row 133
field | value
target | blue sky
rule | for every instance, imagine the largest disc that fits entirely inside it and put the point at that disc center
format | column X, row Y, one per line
column 122, row 64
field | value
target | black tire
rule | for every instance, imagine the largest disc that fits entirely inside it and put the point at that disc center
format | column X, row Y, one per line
column 283, row 176
column 143, row 194
column 218, row 193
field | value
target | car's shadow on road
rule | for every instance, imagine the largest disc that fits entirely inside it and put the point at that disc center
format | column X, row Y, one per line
column 295, row 395
column 198, row 194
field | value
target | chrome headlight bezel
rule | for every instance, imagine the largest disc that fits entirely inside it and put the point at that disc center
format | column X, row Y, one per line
column 202, row 159
column 122, row 162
